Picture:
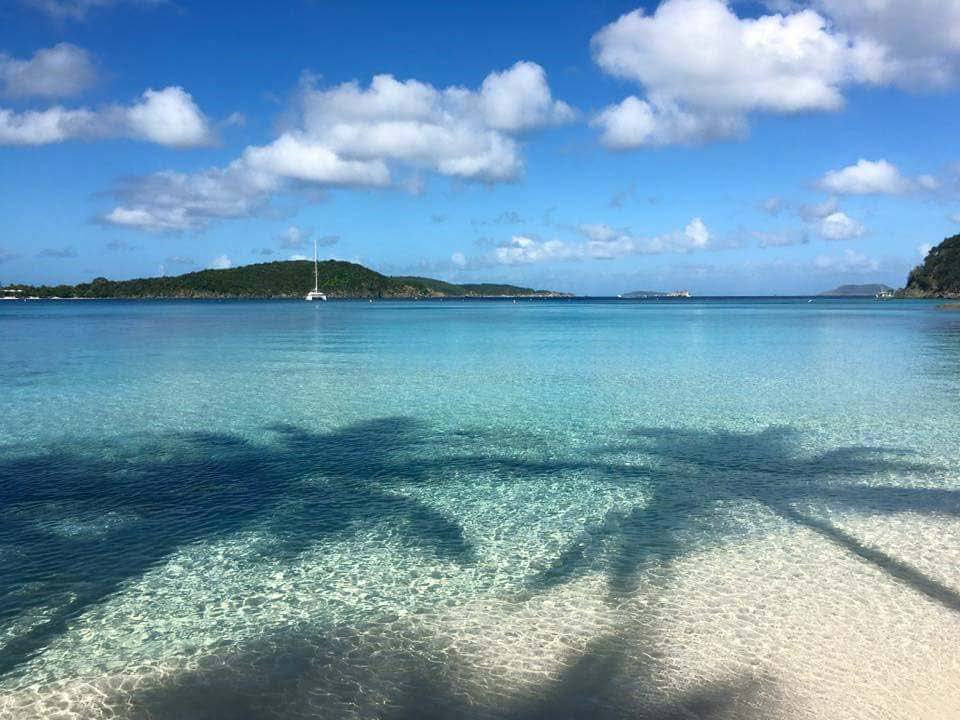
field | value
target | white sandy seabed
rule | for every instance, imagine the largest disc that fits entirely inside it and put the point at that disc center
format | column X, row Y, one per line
column 784, row 623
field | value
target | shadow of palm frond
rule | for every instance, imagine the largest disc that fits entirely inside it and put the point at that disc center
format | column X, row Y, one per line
column 346, row 673
column 694, row 477
column 299, row 487
column 76, row 525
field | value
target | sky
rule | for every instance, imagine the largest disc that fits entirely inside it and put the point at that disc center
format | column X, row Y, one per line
column 594, row 147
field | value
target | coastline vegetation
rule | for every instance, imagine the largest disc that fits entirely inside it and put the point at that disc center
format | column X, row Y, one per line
column 939, row 274
column 857, row 291
column 283, row 279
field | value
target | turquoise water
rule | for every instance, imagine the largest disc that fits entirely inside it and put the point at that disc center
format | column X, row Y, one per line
column 717, row 508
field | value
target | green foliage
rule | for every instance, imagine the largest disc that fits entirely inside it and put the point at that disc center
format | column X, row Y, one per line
column 291, row 279
column 939, row 275
column 868, row 290
column 445, row 289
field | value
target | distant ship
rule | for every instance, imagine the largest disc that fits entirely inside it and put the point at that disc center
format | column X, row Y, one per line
column 642, row 294
column 315, row 294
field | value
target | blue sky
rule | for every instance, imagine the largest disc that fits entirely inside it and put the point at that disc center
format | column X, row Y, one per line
column 594, row 147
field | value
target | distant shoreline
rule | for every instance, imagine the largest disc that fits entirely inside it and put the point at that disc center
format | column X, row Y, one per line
column 467, row 298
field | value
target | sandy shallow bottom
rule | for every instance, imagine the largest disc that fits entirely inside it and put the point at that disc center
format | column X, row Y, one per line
column 259, row 511
column 785, row 625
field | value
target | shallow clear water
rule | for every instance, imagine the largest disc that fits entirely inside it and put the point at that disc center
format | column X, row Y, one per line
column 742, row 508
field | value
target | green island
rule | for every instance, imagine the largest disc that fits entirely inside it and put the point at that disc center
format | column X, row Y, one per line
column 858, row 291
column 939, row 274
column 285, row 279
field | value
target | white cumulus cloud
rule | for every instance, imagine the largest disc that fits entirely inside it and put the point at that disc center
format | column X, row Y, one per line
column 634, row 123
column 170, row 201
column 523, row 250
column 452, row 131
column 866, row 177
column 701, row 53
column 297, row 157
column 602, row 242
column 59, row 71
column 349, row 135
column 606, row 242
column 519, row 99
column 839, row 226
column 705, row 70
column 829, row 221
column 919, row 39
column 42, row 127
column 221, row 262
column 168, row 117
column 696, row 232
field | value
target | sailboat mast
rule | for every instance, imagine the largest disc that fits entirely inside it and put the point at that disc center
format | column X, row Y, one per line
column 316, row 275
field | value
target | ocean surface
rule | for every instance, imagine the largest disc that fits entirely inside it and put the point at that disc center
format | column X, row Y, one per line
column 467, row 509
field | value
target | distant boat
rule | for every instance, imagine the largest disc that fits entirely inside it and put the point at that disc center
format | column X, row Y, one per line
column 654, row 294
column 315, row 294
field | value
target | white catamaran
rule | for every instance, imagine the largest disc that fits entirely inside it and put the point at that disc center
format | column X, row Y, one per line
column 315, row 294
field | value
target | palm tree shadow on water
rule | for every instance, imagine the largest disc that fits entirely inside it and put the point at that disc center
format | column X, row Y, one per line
column 308, row 673
column 76, row 526
column 303, row 487
column 699, row 474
